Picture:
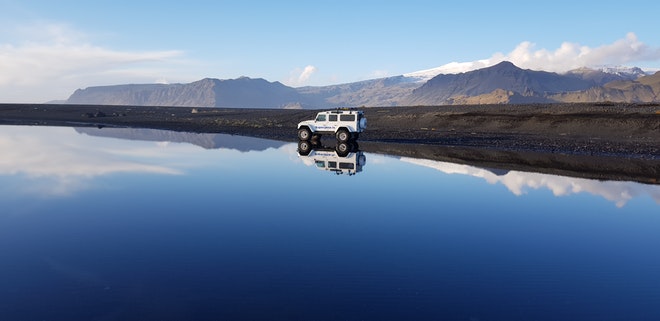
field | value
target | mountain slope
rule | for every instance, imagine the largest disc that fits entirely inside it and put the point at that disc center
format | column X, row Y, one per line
column 376, row 92
column 603, row 75
column 528, row 83
column 503, row 83
column 644, row 89
column 652, row 80
column 247, row 92
column 233, row 93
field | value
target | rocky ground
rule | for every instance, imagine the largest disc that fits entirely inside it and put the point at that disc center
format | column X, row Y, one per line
column 618, row 131
column 632, row 130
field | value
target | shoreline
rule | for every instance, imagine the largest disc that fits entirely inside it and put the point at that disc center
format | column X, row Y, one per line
column 616, row 142
column 583, row 129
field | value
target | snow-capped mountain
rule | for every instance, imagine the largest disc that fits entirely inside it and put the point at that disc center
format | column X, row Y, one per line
column 450, row 68
column 421, row 76
column 454, row 83
column 631, row 73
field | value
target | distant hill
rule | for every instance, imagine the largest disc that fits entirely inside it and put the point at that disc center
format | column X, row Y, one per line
column 601, row 76
column 535, row 85
column 503, row 83
column 643, row 89
column 232, row 93
column 376, row 92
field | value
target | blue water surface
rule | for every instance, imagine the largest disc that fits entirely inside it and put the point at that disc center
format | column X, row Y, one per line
column 98, row 227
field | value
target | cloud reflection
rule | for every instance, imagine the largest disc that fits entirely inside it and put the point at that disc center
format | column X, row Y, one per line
column 520, row 182
column 59, row 161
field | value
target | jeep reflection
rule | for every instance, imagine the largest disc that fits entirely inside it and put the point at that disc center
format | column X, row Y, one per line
column 345, row 124
column 350, row 161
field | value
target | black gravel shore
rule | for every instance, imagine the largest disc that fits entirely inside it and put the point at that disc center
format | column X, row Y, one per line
column 610, row 132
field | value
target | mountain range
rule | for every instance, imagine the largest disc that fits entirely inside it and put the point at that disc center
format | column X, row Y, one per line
column 503, row 83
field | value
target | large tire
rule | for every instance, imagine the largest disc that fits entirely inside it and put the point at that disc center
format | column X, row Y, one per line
column 304, row 147
column 304, row 133
column 343, row 149
column 343, row 135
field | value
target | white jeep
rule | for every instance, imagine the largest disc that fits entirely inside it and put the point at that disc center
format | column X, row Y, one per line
column 340, row 160
column 345, row 124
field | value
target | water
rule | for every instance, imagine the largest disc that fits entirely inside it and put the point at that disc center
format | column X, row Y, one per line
column 94, row 226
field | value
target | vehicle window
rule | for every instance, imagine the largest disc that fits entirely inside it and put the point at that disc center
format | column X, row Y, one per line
column 320, row 117
column 346, row 165
column 347, row 117
column 320, row 164
column 332, row 164
column 332, row 117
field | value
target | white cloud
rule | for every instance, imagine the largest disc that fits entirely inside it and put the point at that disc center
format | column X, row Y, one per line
column 519, row 183
column 568, row 56
column 58, row 161
column 307, row 72
column 46, row 61
column 573, row 55
column 299, row 77
column 56, row 59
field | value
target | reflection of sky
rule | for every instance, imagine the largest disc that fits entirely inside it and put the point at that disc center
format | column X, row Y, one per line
column 59, row 161
column 146, row 223
column 520, row 182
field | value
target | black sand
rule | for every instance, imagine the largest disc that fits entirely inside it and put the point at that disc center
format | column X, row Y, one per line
column 603, row 141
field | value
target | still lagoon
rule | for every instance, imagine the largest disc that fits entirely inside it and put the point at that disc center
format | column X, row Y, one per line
column 136, row 224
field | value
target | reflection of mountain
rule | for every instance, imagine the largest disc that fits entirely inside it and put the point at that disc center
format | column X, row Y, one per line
column 59, row 161
column 208, row 141
column 599, row 167
column 519, row 182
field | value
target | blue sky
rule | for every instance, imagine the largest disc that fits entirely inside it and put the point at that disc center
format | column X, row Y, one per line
column 48, row 49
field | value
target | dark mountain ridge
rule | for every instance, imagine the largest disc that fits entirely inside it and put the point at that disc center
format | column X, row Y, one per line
column 601, row 77
column 503, row 83
column 505, row 75
column 242, row 92
column 644, row 89
column 374, row 92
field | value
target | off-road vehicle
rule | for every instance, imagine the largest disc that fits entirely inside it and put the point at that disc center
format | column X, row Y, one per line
column 331, row 159
column 345, row 124
column 341, row 148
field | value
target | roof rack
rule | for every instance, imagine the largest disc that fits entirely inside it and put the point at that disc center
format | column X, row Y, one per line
column 342, row 109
